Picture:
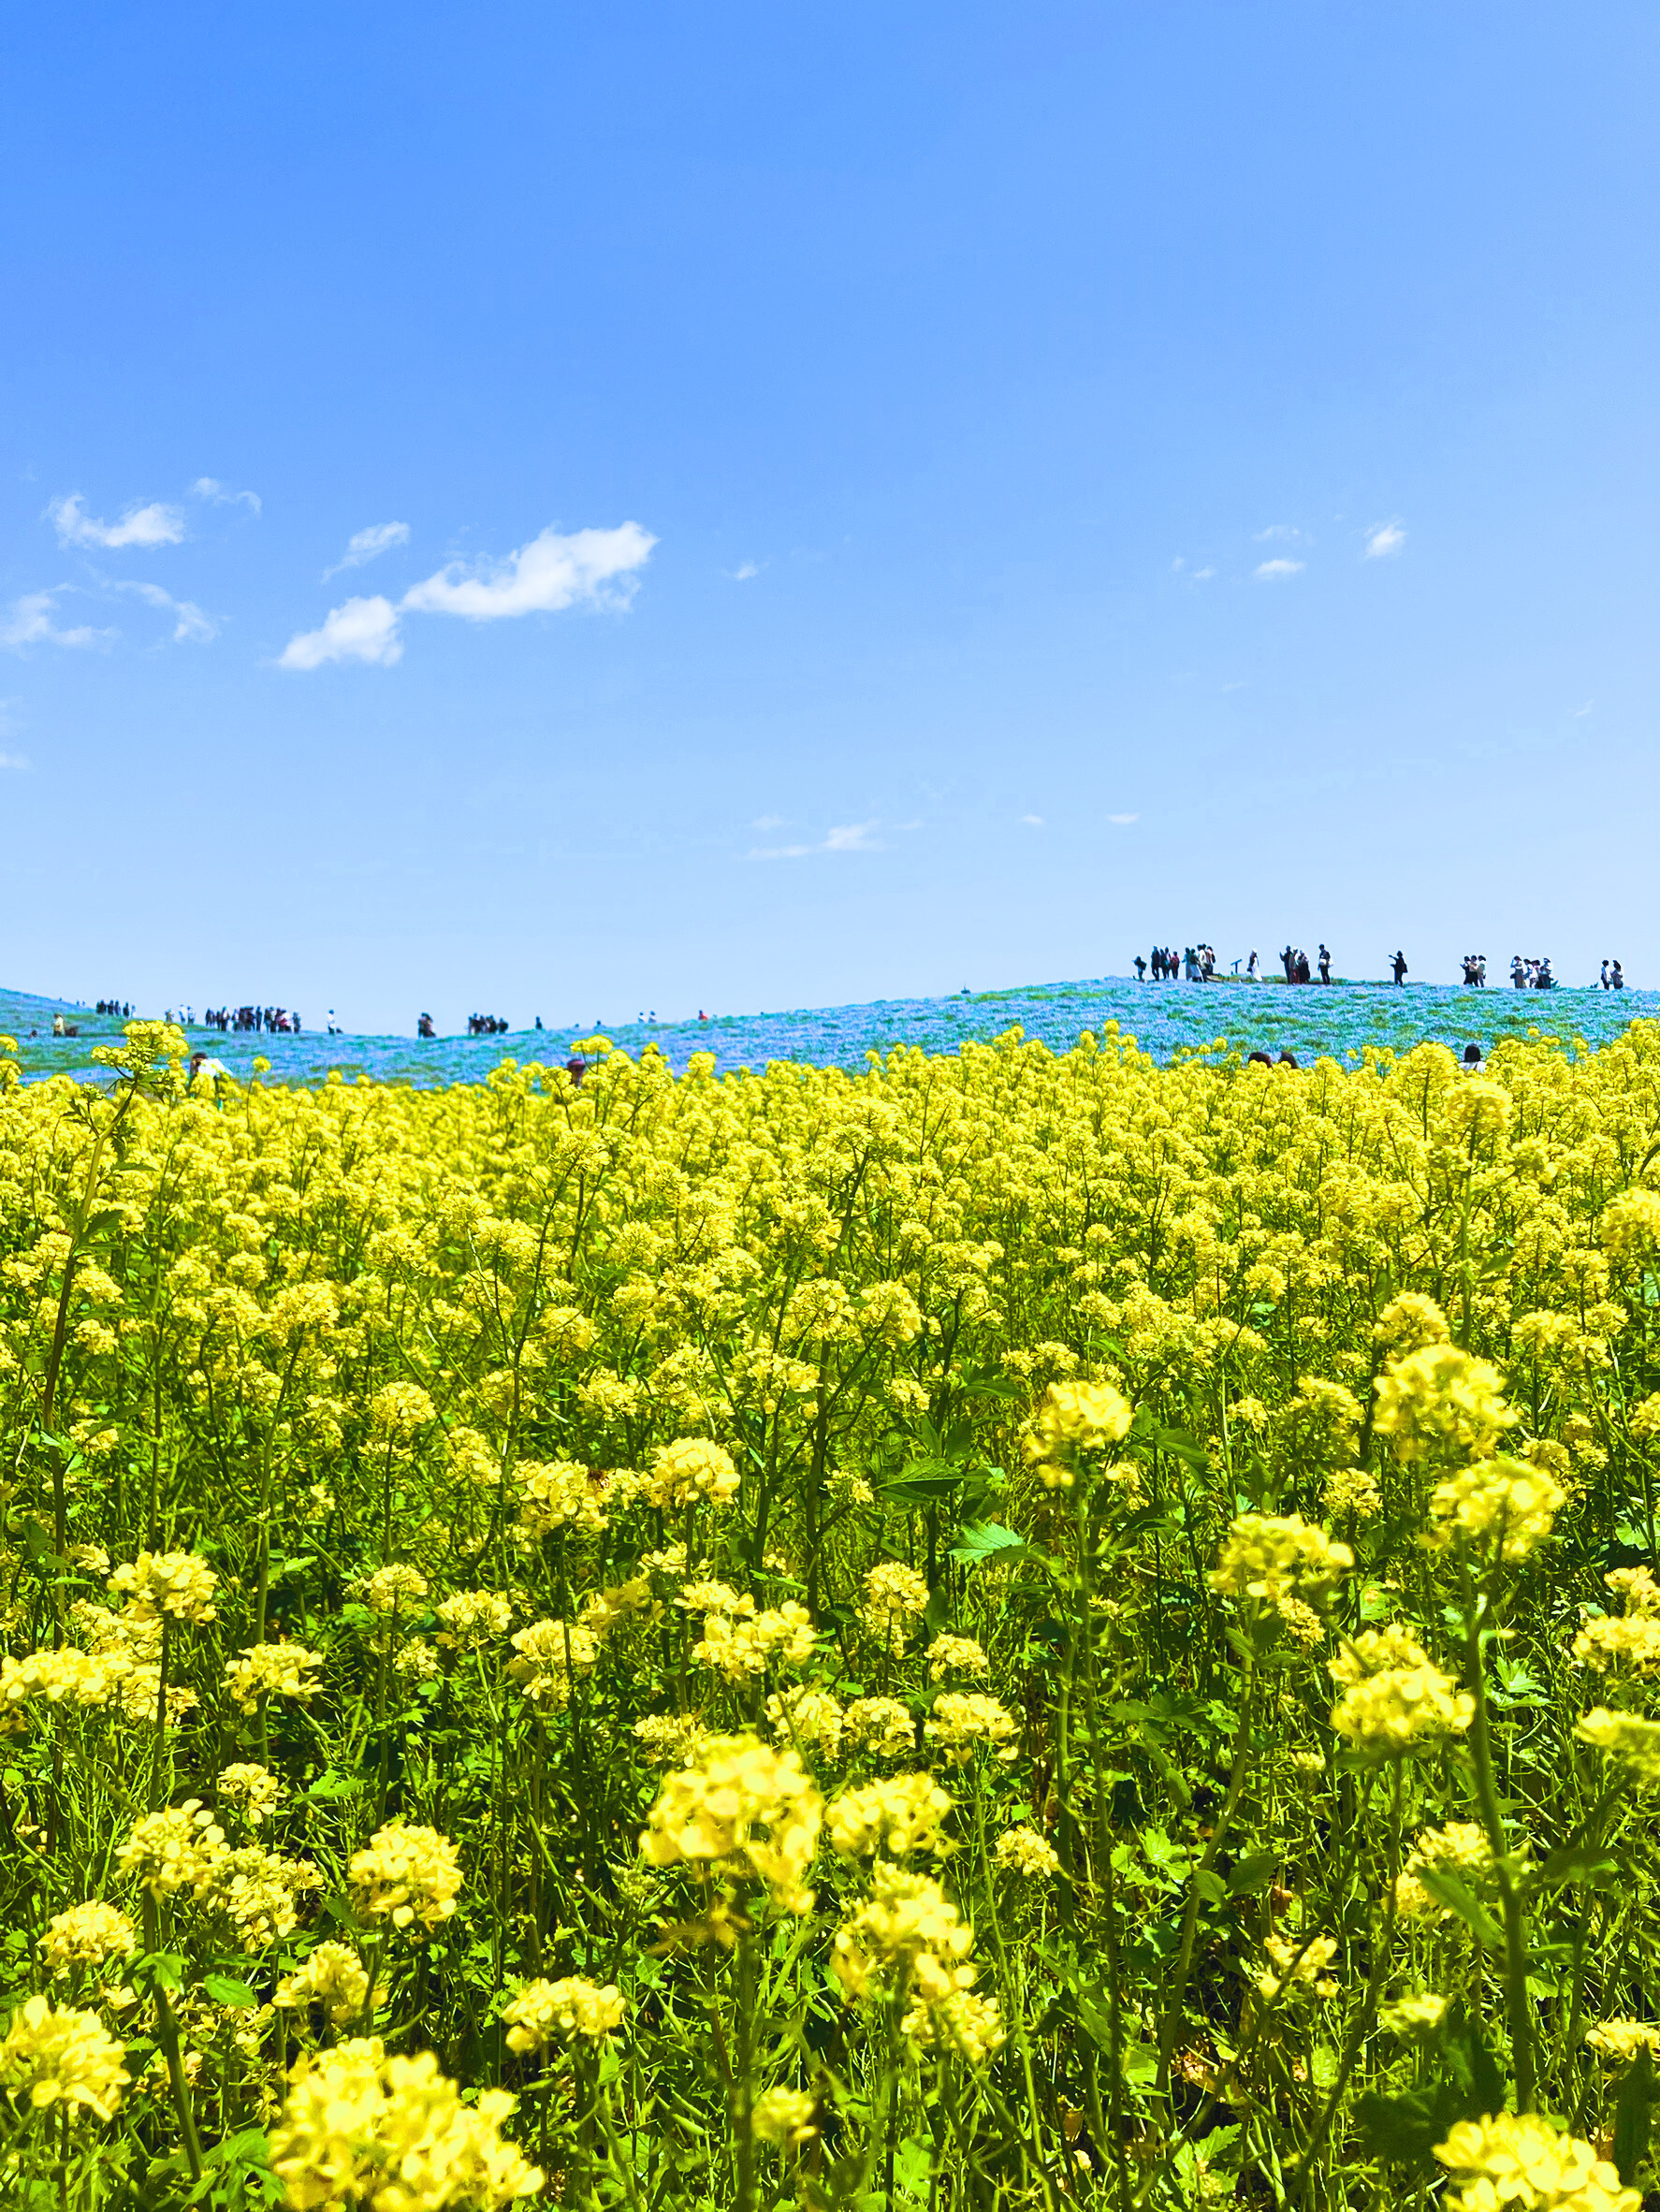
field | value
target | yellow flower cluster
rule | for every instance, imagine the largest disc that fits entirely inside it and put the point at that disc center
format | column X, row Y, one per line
column 1620, row 2041
column 898, row 1817
column 472, row 1619
column 691, row 1470
column 1462, row 1847
column 742, row 1809
column 1394, row 1699
column 408, row 1874
column 1441, row 1403
column 1024, row 1852
column 742, row 1644
column 254, row 1790
column 963, row 1723
column 1278, row 1559
column 273, row 1670
column 895, row 1597
column 557, row 1495
column 566, row 2011
column 172, row 1850
column 168, row 1586
column 1298, row 1964
column 1626, row 1738
column 65, row 2057
column 956, row 1654
column 1074, row 1421
column 1517, row 2158
column 1499, row 1505
column 87, row 1935
column 393, row 2135
column 550, row 1654
column 333, row 1977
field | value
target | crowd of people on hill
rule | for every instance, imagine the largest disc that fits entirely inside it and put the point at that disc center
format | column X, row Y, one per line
column 487, row 1024
column 1198, row 964
column 278, row 1020
column 114, row 1005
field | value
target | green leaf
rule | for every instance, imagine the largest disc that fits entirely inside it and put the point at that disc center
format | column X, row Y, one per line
column 1463, row 1901
column 1184, row 1447
column 1209, row 1886
column 224, row 1990
column 1591, row 1864
column 1633, row 2115
column 1406, row 2130
column 985, row 1539
column 1254, row 1873
column 922, row 1489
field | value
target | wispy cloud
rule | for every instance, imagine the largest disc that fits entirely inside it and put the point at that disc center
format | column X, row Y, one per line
column 1203, row 576
column 1580, row 712
column 767, row 821
column 380, row 537
column 744, row 571
column 31, row 620
column 1032, row 821
column 221, row 495
column 551, row 573
column 13, row 759
column 1275, row 572
column 1122, row 820
column 587, row 567
column 1287, row 532
column 848, row 836
column 1387, row 538
column 362, row 629
column 191, row 627
column 142, row 527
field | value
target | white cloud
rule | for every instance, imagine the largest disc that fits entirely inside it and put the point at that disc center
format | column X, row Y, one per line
column 192, row 628
column 1122, row 820
column 744, row 571
column 848, row 836
column 1177, row 565
column 767, row 821
column 1277, row 530
column 1032, row 821
column 552, row 572
column 362, row 629
column 1580, row 712
column 210, row 488
column 1203, row 576
column 380, row 537
column 32, row 622
column 12, row 760
column 1389, row 537
column 143, row 526
column 1274, row 571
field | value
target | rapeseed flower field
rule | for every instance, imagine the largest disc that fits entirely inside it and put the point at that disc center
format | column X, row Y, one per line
column 1019, row 1628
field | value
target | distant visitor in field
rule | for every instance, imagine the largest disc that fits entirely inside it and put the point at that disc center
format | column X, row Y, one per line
column 1399, row 965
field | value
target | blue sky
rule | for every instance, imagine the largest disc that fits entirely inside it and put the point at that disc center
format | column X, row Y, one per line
column 847, row 502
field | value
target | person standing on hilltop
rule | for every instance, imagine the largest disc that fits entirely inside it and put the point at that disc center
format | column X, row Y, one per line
column 1325, row 965
column 1399, row 965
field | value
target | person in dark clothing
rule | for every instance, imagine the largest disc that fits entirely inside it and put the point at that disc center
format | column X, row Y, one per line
column 1399, row 965
column 1325, row 965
